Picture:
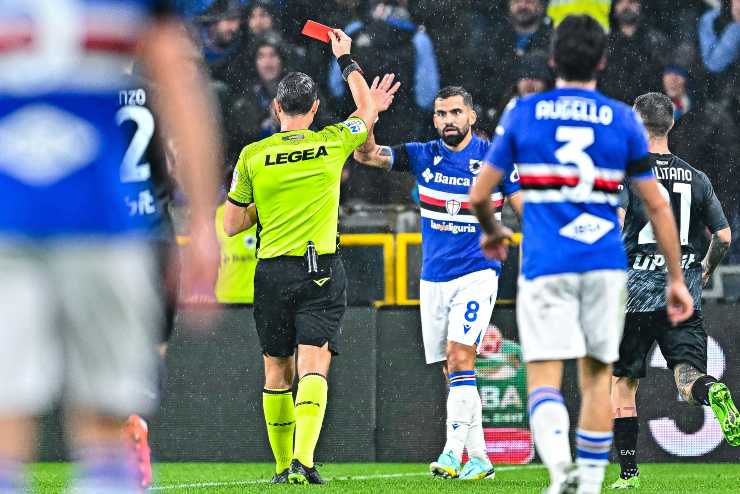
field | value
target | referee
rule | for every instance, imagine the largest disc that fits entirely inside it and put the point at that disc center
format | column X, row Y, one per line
column 292, row 177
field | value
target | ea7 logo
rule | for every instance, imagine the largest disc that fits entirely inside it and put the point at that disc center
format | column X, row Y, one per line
column 452, row 206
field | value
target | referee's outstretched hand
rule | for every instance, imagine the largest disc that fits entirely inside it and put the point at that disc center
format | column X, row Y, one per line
column 383, row 91
column 341, row 44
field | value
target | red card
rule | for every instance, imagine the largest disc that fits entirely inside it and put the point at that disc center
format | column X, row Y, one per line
column 316, row 31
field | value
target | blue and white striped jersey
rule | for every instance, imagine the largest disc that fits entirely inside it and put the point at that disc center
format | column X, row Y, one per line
column 450, row 232
column 61, row 66
column 573, row 148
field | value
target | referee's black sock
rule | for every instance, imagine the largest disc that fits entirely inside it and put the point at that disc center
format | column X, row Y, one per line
column 700, row 389
column 625, row 441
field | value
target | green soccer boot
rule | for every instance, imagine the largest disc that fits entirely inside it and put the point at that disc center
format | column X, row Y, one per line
column 724, row 409
column 629, row 483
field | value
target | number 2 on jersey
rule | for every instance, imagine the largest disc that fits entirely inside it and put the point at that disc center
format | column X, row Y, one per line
column 131, row 170
column 576, row 140
column 647, row 235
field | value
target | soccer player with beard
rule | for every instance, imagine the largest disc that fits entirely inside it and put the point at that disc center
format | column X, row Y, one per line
column 458, row 284
column 684, row 346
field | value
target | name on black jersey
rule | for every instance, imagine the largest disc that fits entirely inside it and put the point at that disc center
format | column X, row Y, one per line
column 295, row 156
column 657, row 262
column 673, row 173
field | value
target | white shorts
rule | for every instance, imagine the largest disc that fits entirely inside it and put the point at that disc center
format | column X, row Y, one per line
column 78, row 320
column 458, row 310
column 572, row 315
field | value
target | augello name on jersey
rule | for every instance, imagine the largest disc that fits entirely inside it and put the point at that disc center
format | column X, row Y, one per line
column 577, row 109
column 673, row 173
column 295, row 156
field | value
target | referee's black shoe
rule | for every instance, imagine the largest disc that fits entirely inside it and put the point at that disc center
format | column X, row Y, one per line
column 280, row 478
column 301, row 474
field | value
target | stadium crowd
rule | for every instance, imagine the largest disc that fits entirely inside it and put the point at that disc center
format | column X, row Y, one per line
column 688, row 49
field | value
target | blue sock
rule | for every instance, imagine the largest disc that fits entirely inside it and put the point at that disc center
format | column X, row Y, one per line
column 592, row 457
column 11, row 477
column 549, row 422
column 107, row 468
column 461, row 402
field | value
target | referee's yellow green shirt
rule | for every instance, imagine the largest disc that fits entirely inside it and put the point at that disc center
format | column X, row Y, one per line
column 558, row 10
column 293, row 179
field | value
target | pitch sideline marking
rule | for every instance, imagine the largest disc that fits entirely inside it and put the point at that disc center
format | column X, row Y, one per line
column 237, row 483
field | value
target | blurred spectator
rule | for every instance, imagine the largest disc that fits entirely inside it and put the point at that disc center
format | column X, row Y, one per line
column 221, row 24
column 719, row 43
column 598, row 9
column 261, row 22
column 261, row 18
column 675, row 80
column 636, row 54
column 450, row 45
column 495, row 50
column 249, row 114
column 707, row 137
column 531, row 75
column 391, row 43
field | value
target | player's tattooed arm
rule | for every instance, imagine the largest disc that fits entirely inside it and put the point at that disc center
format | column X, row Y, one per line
column 686, row 375
column 718, row 247
column 371, row 154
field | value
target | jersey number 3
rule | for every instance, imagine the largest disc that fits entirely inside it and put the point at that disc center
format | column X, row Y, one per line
column 132, row 170
column 576, row 140
column 647, row 236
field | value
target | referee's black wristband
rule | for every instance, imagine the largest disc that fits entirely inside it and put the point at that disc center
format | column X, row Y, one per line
column 347, row 65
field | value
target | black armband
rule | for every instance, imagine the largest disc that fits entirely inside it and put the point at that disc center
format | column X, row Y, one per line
column 347, row 65
column 639, row 166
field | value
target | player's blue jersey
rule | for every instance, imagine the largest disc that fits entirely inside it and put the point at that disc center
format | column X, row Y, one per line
column 573, row 148
column 61, row 67
column 450, row 231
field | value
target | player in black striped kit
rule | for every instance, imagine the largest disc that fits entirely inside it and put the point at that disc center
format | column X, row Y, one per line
column 696, row 208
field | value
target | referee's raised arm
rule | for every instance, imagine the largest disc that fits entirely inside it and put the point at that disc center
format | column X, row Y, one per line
column 351, row 72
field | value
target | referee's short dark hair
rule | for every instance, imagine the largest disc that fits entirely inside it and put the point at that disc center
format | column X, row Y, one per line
column 296, row 93
column 578, row 46
column 656, row 111
column 450, row 91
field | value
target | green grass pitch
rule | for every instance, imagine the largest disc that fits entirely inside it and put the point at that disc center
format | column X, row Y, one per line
column 364, row 478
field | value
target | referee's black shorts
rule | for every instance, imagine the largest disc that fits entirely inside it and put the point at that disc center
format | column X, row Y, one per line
column 685, row 343
column 293, row 307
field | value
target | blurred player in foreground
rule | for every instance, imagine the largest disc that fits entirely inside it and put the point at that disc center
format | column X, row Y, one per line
column 78, row 303
column 458, row 284
column 300, row 287
column 573, row 147
column 147, row 178
column 684, row 346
